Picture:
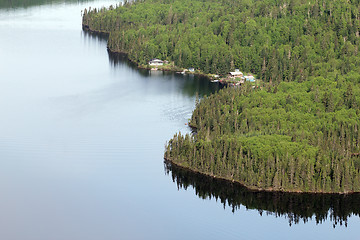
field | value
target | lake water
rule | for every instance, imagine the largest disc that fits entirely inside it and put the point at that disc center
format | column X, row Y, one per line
column 82, row 137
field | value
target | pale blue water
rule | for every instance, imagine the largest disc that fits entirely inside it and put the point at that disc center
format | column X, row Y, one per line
column 82, row 139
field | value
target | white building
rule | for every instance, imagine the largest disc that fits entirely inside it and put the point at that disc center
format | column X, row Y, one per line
column 235, row 74
column 156, row 62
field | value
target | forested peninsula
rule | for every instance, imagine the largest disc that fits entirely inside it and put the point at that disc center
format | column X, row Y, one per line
column 299, row 131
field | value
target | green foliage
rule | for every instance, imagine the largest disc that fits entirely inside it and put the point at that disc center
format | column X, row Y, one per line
column 299, row 132
column 305, row 137
column 287, row 40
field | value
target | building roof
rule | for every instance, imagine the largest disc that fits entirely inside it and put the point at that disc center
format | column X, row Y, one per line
column 156, row 60
column 236, row 73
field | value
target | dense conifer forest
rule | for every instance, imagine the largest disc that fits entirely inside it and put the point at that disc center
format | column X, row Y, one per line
column 278, row 40
column 299, row 131
column 291, row 137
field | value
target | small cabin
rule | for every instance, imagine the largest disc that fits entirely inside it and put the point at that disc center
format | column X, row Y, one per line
column 236, row 74
column 156, row 62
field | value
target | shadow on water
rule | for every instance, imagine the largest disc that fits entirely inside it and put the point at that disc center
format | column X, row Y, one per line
column 295, row 207
column 199, row 85
column 120, row 59
column 97, row 37
column 189, row 84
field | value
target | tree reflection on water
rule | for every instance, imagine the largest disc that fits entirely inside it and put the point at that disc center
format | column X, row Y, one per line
column 296, row 207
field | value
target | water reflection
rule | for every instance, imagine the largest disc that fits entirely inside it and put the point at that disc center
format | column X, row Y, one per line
column 295, row 207
column 189, row 84
column 99, row 38
column 119, row 59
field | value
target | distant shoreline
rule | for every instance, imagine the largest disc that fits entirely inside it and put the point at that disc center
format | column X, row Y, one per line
column 161, row 68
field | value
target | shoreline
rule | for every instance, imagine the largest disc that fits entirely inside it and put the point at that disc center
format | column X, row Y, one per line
column 174, row 69
column 88, row 29
column 253, row 188
column 177, row 69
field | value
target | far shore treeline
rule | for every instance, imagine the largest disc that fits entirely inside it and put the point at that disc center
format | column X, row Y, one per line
column 298, row 131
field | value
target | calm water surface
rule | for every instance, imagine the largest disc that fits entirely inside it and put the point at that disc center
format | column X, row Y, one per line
column 82, row 137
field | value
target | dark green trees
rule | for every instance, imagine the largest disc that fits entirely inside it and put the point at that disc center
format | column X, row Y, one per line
column 300, row 132
column 285, row 141
column 277, row 40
